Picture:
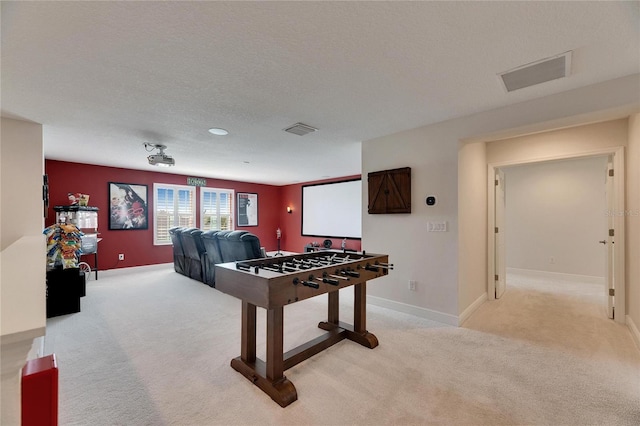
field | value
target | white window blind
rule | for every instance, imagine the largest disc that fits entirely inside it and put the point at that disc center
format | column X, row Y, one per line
column 216, row 209
column 174, row 205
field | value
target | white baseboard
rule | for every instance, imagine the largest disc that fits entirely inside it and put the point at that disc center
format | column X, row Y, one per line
column 414, row 310
column 134, row 269
column 634, row 331
column 471, row 309
column 588, row 279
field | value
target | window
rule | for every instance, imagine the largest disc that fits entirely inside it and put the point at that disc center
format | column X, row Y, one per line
column 216, row 209
column 174, row 205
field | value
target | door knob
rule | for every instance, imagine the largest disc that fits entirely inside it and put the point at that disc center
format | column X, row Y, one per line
column 603, row 242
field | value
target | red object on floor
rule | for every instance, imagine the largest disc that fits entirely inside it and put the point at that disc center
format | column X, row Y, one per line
column 40, row 392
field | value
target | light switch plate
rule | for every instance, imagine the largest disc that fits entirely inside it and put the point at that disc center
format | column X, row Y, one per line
column 437, row 226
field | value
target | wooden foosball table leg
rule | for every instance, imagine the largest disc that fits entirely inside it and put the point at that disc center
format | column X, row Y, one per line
column 360, row 308
column 333, row 316
column 248, row 343
column 275, row 344
column 267, row 376
column 358, row 331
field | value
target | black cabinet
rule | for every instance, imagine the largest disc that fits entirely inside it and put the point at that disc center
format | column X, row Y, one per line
column 65, row 287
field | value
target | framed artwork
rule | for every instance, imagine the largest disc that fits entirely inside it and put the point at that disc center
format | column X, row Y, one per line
column 247, row 209
column 128, row 208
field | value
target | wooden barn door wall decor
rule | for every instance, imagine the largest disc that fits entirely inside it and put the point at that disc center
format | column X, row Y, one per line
column 390, row 191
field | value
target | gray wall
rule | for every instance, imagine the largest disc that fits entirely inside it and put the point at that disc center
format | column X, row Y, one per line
column 555, row 216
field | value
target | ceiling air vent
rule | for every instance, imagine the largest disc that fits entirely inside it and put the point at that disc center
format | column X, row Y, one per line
column 300, row 129
column 537, row 72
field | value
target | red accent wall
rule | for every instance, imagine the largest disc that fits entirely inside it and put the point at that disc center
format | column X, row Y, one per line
column 137, row 245
column 291, row 224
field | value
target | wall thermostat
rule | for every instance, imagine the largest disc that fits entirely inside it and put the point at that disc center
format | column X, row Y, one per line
column 431, row 200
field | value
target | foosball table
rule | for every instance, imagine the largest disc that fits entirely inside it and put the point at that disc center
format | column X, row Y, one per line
column 272, row 283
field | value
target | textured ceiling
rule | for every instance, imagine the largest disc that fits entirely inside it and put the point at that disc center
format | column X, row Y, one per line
column 105, row 77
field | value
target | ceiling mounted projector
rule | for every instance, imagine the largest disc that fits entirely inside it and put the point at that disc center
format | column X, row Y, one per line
column 160, row 159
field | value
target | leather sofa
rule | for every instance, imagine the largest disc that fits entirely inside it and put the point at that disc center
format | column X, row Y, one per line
column 178, row 254
column 213, row 256
column 194, row 253
column 238, row 245
column 253, row 249
column 203, row 250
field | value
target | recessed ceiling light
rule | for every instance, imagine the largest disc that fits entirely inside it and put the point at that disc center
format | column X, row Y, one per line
column 218, row 131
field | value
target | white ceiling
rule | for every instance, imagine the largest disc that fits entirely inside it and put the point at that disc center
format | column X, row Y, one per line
column 103, row 78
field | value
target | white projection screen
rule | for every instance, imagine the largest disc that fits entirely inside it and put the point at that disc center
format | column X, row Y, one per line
column 332, row 210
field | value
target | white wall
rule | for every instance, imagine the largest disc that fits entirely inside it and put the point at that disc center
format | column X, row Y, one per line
column 22, row 222
column 472, row 246
column 430, row 258
column 633, row 227
column 571, row 141
column 555, row 216
column 567, row 142
column 22, row 255
column 448, row 160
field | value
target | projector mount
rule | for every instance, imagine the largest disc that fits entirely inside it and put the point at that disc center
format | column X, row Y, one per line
column 159, row 159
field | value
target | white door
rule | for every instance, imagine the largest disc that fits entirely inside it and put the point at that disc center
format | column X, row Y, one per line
column 500, row 261
column 609, row 240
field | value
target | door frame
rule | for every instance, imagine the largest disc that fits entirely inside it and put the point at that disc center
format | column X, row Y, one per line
column 499, row 233
column 618, row 222
column 610, row 239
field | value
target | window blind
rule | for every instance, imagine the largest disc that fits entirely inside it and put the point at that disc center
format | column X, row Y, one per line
column 216, row 209
column 174, row 205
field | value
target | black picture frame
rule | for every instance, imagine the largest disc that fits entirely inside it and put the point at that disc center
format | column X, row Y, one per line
column 128, row 206
column 247, row 209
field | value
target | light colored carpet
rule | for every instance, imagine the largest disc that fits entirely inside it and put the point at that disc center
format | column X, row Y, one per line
column 152, row 347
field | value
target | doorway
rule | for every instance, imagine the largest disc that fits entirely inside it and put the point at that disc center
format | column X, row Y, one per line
column 605, row 260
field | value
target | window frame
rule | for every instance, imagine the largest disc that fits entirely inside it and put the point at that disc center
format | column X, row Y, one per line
column 204, row 190
column 176, row 214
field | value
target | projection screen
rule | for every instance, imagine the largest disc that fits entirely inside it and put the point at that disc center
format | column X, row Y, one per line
column 332, row 210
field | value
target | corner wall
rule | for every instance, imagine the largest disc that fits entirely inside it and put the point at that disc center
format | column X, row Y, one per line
column 472, row 195
column 21, row 239
column 22, row 276
column 633, row 227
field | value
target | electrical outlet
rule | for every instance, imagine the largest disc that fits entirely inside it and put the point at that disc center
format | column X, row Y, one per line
column 552, row 260
column 412, row 285
column 121, row 256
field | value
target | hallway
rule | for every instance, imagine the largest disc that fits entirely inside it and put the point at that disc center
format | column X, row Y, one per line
column 562, row 314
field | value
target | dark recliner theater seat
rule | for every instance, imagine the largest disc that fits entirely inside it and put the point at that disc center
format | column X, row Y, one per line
column 194, row 253
column 231, row 247
column 210, row 243
column 203, row 250
column 186, row 245
column 238, row 245
column 178, row 254
column 251, row 244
